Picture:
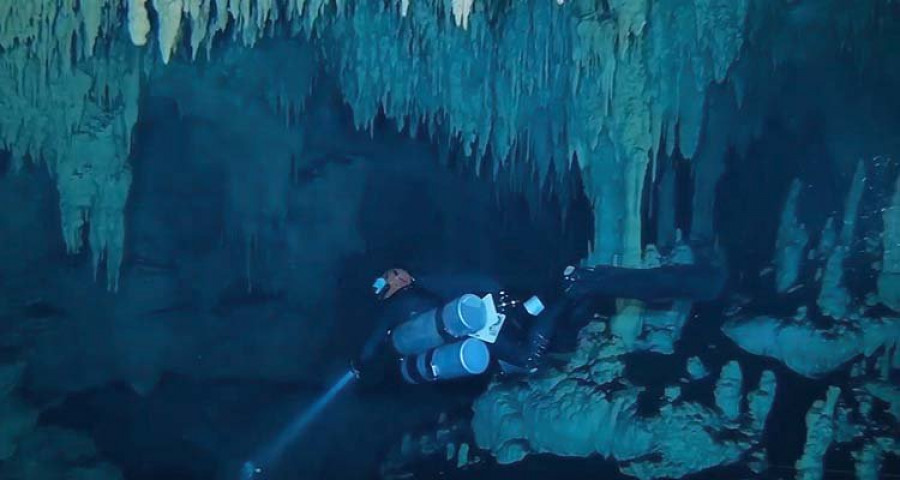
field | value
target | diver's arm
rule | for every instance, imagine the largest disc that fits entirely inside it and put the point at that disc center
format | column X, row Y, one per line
column 370, row 367
column 377, row 345
column 378, row 349
column 376, row 341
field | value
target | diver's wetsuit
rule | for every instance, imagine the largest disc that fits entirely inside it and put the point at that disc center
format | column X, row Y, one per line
column 524, row 339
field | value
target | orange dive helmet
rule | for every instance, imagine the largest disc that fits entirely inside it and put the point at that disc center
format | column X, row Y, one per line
column 391, row 282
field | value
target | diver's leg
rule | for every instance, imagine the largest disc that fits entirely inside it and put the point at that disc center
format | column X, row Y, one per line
column 672, row 282
column 526, row 349
column 543, row 329
column 510, row 349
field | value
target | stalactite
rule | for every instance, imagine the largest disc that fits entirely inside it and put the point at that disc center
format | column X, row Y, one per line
column 614, row 66
column 77, row 118
column 169, row 13
column 138, row 21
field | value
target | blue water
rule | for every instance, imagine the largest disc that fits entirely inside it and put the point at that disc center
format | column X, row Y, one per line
column 271, row 453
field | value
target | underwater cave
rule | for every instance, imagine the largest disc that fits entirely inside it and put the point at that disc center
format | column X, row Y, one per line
column 607, row 239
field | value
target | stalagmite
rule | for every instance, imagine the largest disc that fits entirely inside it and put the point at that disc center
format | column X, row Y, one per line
column 827, row 239
column 868, row 462
column 819, row 435
column 889, row 277
column 856, row 426
column 878, row 437
column 728, row 390
column 696, row 369
column 760, row 400
column 790, row 246
column 834, row 299
column 888, row 393
column 672, row 393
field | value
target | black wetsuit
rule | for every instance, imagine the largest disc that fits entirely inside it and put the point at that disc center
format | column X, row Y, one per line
column 524, row 338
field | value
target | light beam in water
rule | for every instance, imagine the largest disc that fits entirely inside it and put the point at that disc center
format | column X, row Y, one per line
column 274, row 450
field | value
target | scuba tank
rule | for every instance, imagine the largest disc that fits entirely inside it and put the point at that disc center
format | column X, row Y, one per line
column 455, row 360
column 433, row 343
column 458, row 318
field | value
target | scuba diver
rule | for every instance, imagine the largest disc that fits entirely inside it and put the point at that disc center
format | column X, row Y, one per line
column 442, row 327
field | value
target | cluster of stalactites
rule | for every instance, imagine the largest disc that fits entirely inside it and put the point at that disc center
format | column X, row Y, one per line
column 50, row 28
column 250, row 20
column 537, row 82
column 72, row 109
column 203, row 20
column 558, row 81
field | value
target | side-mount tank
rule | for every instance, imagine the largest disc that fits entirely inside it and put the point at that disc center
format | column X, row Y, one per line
column 458, row 318
column 465, row 358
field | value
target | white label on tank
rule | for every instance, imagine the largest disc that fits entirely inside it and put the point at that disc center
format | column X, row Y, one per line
column 495, row 320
